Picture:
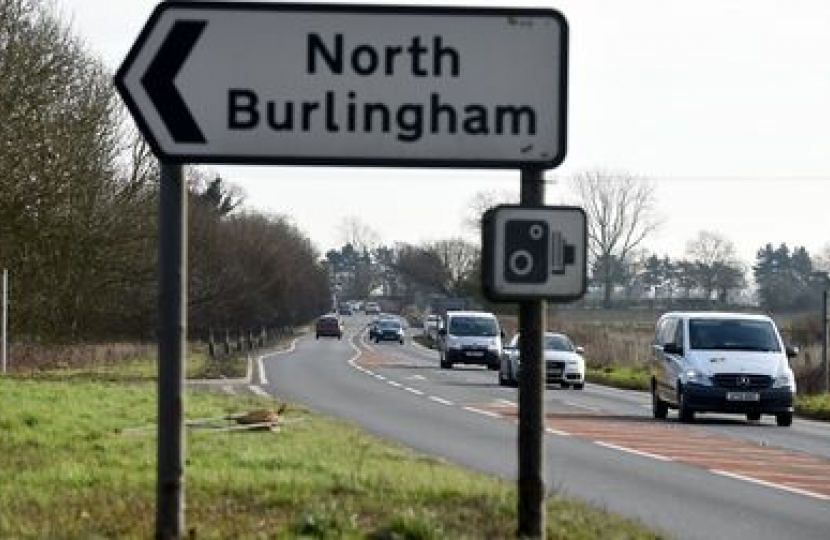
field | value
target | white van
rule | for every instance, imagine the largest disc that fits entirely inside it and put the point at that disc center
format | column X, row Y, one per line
column 721, row 362
column 470, row 337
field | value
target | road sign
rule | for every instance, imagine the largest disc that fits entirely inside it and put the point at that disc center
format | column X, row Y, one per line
column 212, row 82
column 534, row 252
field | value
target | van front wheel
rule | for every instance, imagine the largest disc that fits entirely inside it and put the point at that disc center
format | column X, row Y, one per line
column 784, row 419
column 686, row 415
column 659, row 408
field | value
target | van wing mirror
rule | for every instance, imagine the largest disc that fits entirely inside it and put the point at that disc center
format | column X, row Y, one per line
column 672, row 348
column 792, row 351
column 442, row 331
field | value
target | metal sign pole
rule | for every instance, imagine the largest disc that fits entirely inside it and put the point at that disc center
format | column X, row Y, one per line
column 531, row 391
column 172, row 312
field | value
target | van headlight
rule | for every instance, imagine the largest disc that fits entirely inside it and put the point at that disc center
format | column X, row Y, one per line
column 695, row 376
column 783, row 380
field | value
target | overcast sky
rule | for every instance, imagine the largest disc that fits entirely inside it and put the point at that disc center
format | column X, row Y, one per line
column 723, row 104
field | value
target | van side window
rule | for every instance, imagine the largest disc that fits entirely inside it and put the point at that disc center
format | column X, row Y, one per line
column 677, row 339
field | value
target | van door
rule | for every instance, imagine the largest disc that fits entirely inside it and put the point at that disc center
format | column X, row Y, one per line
column 668, row 350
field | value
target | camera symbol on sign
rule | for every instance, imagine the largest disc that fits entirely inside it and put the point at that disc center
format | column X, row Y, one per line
column 532, row 252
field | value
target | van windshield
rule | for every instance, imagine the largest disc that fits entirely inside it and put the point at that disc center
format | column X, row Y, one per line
column 733, row 335
column 473, row 326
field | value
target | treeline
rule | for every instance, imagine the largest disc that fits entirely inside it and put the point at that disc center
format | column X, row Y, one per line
column 78, row 211
column 783, row 279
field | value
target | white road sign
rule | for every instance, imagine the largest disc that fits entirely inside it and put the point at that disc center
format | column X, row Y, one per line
column 534, row 252
column 353, row 85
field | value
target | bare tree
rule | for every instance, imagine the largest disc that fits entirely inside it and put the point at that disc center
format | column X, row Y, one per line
column 361, row 236
column 717, row 267
column 822, row 261
column 483, row 201
column 621, row 215
column 460, row 261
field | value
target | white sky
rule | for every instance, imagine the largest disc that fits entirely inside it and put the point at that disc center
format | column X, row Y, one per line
column 724, row 104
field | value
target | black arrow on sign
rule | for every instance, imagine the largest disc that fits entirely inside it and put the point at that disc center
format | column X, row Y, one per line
column 158, row 81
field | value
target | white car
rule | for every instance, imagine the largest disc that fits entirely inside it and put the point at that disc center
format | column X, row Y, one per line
column 564, row 363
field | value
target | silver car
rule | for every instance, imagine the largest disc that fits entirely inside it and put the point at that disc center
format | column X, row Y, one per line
column 564, row 364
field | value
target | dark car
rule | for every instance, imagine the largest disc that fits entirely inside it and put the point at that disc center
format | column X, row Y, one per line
column 373, row 329
column 329, row 326
column 388, row 330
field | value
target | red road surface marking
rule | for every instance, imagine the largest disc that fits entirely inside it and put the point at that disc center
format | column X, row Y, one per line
column 685, row 444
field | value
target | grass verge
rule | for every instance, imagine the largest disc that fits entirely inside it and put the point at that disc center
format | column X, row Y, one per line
column 77, row 460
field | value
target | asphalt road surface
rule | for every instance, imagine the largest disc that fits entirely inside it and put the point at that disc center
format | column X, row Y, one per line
column 719, row 478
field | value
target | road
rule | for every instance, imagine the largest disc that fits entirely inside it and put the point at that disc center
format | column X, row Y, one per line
column 717, row 478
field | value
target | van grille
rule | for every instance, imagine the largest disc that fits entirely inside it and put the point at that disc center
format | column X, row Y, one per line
column 741, row 381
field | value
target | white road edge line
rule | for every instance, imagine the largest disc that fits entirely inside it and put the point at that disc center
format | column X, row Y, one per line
column 256, row 389
column 782, row 487
column 261, row 367
column 414, row 391
column 395, row 384
column 632, row 451
column 485, row 413
column 558, row 432
column 580, row 406
column 442, row 401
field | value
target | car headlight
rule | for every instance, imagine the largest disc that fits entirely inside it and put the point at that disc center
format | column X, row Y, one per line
column 695, row 376
column 784, row 380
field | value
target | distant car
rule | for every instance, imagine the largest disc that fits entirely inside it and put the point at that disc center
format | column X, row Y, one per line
column 564, row 363
column 388, row 329
column 329, row 326
column 345, row 309
column 371, row 308
column 373, row 329
column 470, row 337
column 431, row 325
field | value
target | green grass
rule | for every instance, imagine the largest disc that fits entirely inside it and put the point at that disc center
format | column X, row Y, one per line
column 77, row 460
column 630, row 378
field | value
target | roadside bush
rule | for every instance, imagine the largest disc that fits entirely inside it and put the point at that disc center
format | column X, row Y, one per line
column 25, row 357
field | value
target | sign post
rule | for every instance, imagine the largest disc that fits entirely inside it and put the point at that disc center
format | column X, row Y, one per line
column 356, row 85
column 532, row 253
column 531, row 442
column 172, row 339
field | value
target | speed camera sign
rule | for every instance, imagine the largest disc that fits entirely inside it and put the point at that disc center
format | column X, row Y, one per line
column 534, row 252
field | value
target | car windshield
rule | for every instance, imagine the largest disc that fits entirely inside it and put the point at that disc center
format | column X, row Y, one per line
column 732, row 334
column 473, row 326
column 389, row 324
column 558, row 343
column 553, row 342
